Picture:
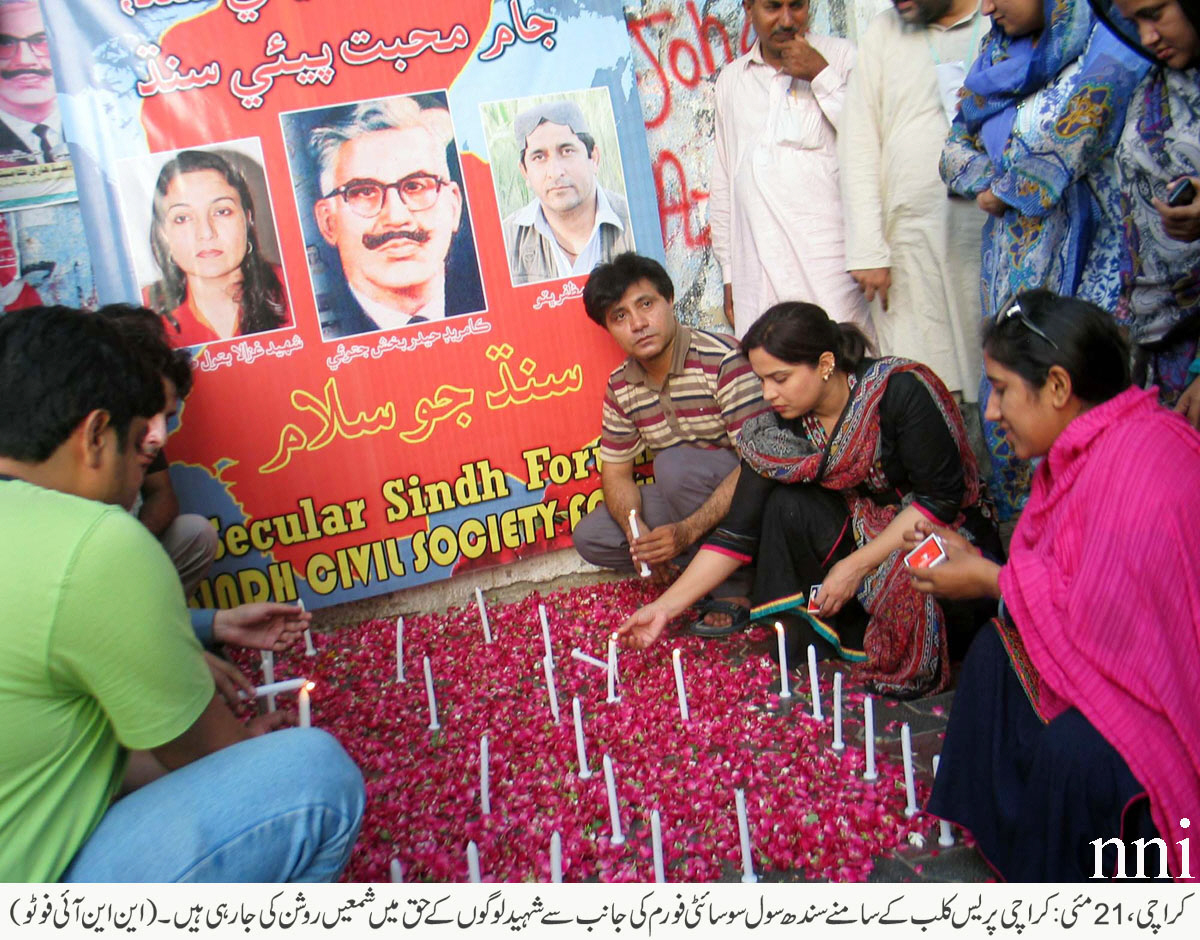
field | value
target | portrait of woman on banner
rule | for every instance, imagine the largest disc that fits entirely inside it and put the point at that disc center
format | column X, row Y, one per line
column 216, row 283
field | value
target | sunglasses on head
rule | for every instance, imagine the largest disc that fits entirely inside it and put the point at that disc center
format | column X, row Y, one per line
column 1012, row 311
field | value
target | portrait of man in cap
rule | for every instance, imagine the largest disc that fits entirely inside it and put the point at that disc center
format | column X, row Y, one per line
column 572, row 223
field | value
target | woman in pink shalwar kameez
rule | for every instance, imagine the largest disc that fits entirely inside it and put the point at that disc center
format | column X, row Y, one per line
column 1077, row 720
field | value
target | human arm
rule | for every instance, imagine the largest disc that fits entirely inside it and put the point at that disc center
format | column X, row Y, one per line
column 828, row 82
column 1181, row 223
column 965, row 167
column 261, row 626
column 160, row 506
column 665, row 542
column 214, row 729
column 860, row 154
column 707, row 570
column 1189, row 402
column 720, row 195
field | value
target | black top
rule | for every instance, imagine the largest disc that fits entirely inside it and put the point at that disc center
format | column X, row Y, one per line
column 916, row 454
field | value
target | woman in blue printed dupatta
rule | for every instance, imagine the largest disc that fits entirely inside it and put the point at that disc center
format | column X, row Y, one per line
column 1040, row 114
column 1159, row 149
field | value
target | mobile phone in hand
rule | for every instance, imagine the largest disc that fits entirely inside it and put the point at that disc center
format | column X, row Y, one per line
column 1181, row 193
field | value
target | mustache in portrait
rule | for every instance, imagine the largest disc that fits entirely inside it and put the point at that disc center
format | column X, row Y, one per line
column 373, row 241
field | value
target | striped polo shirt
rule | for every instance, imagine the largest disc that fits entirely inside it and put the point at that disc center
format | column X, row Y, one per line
column 709, row 391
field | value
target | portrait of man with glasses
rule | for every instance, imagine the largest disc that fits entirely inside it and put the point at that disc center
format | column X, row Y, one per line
column 389, row 201
column 30, row 126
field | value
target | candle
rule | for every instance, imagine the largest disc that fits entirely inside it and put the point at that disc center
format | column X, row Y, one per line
column 548, row 665
column 305, row 705
column 400, row 650
column 584, row 773
column 660, row 875
column 784, row 691
column 814, row 681
column 268, row 671
column 395, row 872
column 433, row 721
column 644, row 571
column 271, row 689
column 473, row 862
column 748, row 876
column 485, row 801
column 613, row 811
column 545, row 631
column 869, row 719
column 556, row 859
column 309, row 649
column 683, row 705
column 583, row 657
column 910, row 787
column 483, row 617
column 612, row 669
column 838, row 743
column 945, row 836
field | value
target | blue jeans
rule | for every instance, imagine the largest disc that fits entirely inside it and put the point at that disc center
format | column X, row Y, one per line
column 282, row 807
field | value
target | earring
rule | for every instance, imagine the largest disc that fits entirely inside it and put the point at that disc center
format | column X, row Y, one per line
column 825, row 377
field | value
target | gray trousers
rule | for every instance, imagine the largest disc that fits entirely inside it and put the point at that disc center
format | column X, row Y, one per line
column 191, row 541
column 684, row 478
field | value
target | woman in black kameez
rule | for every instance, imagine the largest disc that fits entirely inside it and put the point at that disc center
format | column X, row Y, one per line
column 855, row 452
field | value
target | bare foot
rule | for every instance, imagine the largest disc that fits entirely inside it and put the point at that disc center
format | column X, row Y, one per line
column 720, row 620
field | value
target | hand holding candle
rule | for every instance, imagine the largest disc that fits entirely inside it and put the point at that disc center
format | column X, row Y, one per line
column 636, row 532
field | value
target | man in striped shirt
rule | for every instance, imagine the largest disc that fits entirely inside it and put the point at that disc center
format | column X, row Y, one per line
column 683, row 394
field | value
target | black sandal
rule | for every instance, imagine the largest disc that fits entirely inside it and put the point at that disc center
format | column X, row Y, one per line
column 739, row 618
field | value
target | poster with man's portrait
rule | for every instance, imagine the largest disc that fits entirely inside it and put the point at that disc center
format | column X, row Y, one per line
column 383, row 207
column 35, row 168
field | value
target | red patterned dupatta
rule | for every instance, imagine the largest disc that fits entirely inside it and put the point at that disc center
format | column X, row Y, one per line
column 905, row 643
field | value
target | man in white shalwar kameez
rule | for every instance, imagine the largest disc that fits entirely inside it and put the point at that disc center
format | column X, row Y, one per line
column 774, row 203
column 913, row 250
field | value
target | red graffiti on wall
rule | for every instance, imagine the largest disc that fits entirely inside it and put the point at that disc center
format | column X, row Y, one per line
column 686, row 63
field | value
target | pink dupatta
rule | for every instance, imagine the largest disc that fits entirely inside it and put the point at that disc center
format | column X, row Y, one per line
column 1103, row 582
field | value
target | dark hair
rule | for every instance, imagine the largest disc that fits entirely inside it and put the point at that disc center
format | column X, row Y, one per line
column 608, row 282
column 261, row 295
column 799, row 332
column 57, row 366
column 1090, row 345
column 588, row 141
column 144, row 332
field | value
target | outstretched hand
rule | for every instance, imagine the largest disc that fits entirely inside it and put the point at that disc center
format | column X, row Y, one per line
column 643, row 628
column 261, row 626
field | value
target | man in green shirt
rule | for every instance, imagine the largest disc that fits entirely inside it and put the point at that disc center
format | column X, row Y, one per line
column 100, row 658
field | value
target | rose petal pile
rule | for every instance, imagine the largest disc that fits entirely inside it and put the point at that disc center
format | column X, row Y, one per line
column 810, row 814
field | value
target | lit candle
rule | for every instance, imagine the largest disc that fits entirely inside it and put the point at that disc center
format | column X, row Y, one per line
column 910, row 787
column 473, row 862
column 660, row 875
column 644, row 571
column 309, row 649
column 548, row 665
column 305, row 706
column 271, row 689
column 433, row 721
column 400, row 650
column 612, row 669
column 583, row 657
column 814, row 681
column 838, row 743
column 556, row 859
column 545, row 631
column 784, row 691
column 485, row 800
column 748, row 876
column 483, row 617
column 268, row 671
column 683, row 705
column 395, row 872
column 613, row 811
column 869, row 734
column 584, row 773
column 945, row 836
